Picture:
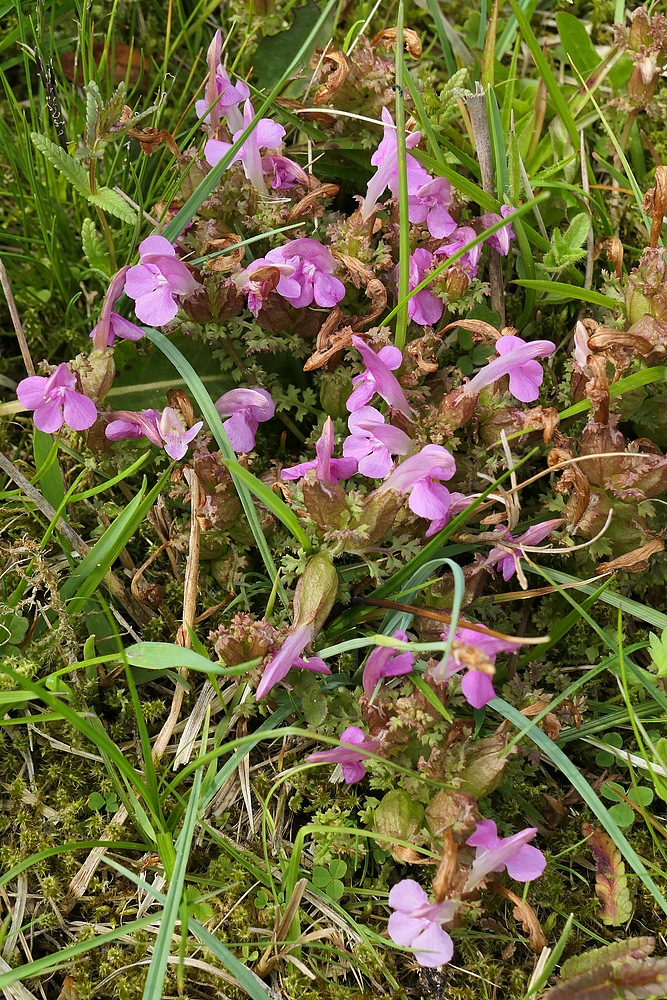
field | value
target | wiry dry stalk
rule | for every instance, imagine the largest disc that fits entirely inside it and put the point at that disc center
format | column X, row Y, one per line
column 476, row 104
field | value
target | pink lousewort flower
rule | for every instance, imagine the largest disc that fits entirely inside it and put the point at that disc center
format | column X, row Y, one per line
column 501, row 240
column 267, row 134
column 156, row 281
column 457, row 240
column 222, row 96
column 424, row 308
column 246, row 410
column 476, row 685
column 515, row 358
column 285, row 172
column 350, row 756
column 418, row 475
column 306, row 276
column 385, row 158
column 582, row 351
column 372, row 442
column 429, row 204
column 166, row 429
column 386, row 662
column 328, row 469
column 417, row 923
column 457, row 503
column 56, row 401
column 289, row 657
column 507, row 561
column 111, row 324
column 523, row 862
column 378, row 378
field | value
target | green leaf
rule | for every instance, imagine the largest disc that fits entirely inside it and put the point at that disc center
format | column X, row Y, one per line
column 556, row 290
column 577, row 43
column 578, row 230
column 49, row 476
column 335, row 889
column 169, row 656
column 110, row 201
column 62, row 161
column 338, row 868
column 658, row 652
column 275, row 53
column 94, row 247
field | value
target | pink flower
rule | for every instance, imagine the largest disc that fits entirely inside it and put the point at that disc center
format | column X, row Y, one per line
column 56, row 401
column 166, row 429
column 306, row 276
column 429, row 204
column 582, row 352
column 246, row 409
column 523, row 863
column 386, row 662
column 418, row 475
column 289, row 657
column 476, row 685
column 385, row 158
column 285, row 172
column 155, row 282
column 424, row 308
column 515, row 359
column 458, row 239
column 222, row 96
column 378, row 378
column 267, row 134
column 111, row 324
column 350, row 755
column 328, row 469
column 507, row 561
column 417, row 923
column 457, row 503
column 372, row 442
column 501, row 240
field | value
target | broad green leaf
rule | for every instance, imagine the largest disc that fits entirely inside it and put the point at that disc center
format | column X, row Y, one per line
column 557, row 290
column 275, row 53
column 577, row 43
column 169, row 656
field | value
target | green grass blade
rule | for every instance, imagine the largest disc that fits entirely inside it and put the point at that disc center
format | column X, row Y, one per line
column 577, row 780
column 403, row 208
column 271, row 501
column 557, row 290
column 49, row 476
column 644, row 377
column 641, row 612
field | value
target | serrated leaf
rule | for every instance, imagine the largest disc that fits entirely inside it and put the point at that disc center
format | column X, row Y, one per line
column 62, row 161
column 94, row 247
column 93, row 108
column 626, row 979
column 110, row 201
column 636, row 948
column 658, row 652
column 611, row 883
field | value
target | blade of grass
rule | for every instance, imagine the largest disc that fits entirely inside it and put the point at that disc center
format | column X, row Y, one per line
column 556, row 290
column 645, row 377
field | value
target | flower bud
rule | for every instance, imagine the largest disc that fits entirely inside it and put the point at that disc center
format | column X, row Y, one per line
column 95, row 372
column 315, row 593
column 399, row 816
column 325, row 502
column 379, row 513
column 646, row 290
column 456, row 282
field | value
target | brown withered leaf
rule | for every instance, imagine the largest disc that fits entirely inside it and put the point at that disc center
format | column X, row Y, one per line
column 633, row 948
column 611, row 883
column 309, row 204
column 655, row 203
column 447, row 869
column 329, row 343
column 635, row 561
column 411, row 40
column 338, row 67
column 613, row 248
column 542, row 418
column 525, row 914
column 627, row 978
column 482, row 333
column 150, row 138
column 359, row 274
column 226, row 261
column 69, row 990
column 377, row 293
column 423, row 354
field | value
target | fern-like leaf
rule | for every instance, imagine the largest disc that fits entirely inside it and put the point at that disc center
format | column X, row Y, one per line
column 62, row 161
column 110, row 201
column 94, row 247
